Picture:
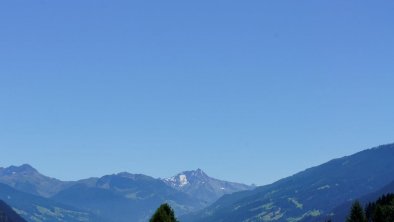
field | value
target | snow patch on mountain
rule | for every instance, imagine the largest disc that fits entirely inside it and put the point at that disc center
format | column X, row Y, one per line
column 183, row 180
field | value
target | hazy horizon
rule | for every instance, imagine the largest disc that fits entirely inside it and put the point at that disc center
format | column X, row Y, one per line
column 168, row 176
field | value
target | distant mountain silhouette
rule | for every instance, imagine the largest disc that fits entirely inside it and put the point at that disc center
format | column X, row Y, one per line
column 307, row 195
column 27, row 179
column 113, row 198
column 7, row 214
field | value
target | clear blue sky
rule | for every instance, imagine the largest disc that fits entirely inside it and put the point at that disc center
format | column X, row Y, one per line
column 249, row 91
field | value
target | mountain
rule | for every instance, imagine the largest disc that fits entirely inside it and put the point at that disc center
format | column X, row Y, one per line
column 198, row 184
column 307, row 195
column 118, row 197
column 39, row 209
column 126, row 197
column 7, row 214
column 27, row 179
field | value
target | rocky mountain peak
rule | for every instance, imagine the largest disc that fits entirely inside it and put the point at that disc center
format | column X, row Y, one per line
column 22, row 169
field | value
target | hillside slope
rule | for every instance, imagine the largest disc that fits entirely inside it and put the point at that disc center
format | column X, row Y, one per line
column 309, row 194
column 340, row 212
column 7, row 214
column 39, row 209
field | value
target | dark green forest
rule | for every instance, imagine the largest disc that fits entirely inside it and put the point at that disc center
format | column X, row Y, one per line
column 382, row 210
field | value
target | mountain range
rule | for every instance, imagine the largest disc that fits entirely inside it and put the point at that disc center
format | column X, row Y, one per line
column 316, row 194
column 112, row 198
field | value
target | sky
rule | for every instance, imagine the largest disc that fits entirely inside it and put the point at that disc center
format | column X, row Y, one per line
column 248, row 91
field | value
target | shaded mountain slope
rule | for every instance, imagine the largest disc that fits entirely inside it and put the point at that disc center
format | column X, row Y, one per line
column 7, row 214
column 35, row 208
column 309, row 194
column 340, row 212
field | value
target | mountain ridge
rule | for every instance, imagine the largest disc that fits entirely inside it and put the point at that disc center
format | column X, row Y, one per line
column 100, row 195
column 308, row 194
column 303, row 197
column 27, row 179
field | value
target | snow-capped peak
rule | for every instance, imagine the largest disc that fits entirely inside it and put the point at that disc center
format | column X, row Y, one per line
column 186, row 178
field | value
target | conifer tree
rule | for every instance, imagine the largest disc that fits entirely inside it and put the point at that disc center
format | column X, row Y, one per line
column 356, row 213
column 378, row 215
column 164, row 214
